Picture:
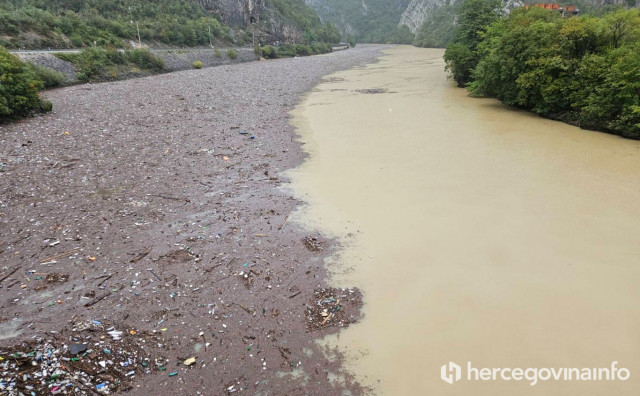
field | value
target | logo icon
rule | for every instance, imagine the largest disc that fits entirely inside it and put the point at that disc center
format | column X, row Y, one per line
column 450, row 372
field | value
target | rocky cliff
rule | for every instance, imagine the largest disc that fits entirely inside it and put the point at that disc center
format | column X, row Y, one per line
column 282, row 21
column 236, row 12
column 417, row 12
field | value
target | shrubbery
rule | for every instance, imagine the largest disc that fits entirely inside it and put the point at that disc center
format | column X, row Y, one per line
column 18, row 89
column 173, row 22
column 198, row 64
column 303, row 50
column 95, row 64
column 49, row 77
column 287, row 50
column 232, row 54
column 269, row 52
column 144, row 59
column 290, row 50
column 321, row 48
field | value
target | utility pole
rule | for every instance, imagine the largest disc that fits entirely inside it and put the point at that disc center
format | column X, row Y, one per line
column 139, row 40
column 138, row 29
column 253, row 21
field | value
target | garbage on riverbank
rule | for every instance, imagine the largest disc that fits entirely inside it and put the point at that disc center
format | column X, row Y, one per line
column 93, row 357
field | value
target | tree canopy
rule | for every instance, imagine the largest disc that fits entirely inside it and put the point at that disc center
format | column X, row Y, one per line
column 584, row 69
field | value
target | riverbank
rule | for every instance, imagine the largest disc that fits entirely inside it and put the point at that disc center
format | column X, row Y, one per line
column 154, row 207
column 174, row 60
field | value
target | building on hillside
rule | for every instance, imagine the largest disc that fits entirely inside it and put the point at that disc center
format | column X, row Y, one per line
column 566, row 11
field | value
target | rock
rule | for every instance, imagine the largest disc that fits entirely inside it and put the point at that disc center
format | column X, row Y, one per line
column 189, row 361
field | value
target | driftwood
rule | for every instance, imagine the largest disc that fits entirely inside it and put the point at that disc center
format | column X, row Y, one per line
column 141, row 255
column 284, row 221
column 59, row 255
column 9, row 274
column 97, row 299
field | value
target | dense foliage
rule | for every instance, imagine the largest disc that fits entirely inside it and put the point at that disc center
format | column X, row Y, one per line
column 183, row 23
column 49, row 77
column 306, row 19
column 291, row 50
column 18, row 88
column 100, row 64
column 474, row 17
column 584, row 70
column 77, row 23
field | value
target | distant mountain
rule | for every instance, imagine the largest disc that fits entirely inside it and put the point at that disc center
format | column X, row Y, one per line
column 366, row 20
column 177, row 23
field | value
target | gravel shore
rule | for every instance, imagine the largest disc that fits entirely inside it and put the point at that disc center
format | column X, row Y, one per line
column 152, row 207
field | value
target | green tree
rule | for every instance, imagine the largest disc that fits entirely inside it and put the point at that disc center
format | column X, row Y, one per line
column 329, row 34
column 18, row 88
column 474, row 18
column 585, row 70
column 623, row 26
column 614, row 103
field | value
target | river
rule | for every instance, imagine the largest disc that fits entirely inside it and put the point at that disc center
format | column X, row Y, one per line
column 478, row 233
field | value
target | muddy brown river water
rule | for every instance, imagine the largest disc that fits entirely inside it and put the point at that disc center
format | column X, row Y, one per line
column 477, row 233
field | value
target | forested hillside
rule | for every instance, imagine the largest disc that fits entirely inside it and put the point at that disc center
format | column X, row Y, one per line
column 437, row 29
column 369, row 21
column 79, row 23
column 583, row 69
column 438, row 16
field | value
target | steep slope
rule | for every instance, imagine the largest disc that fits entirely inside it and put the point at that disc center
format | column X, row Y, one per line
column 366, row 20
column 80, row 23
column 418, row 11
column 273, row 20
column 438, row 14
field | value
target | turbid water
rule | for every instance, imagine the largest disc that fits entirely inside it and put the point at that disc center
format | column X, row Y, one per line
column 477, row 233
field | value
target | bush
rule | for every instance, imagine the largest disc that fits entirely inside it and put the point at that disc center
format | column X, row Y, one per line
column 287, row 50
column 144, row 59
column 45, row 105
column 303, row 50
column 94, row 64
column 321, row 48
column 217, row 53
column 232, row 54
column 269, row 52
column 198, row 64
column 49, row 77
column 317, row 48
column 257, row 50
column 18, row 88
